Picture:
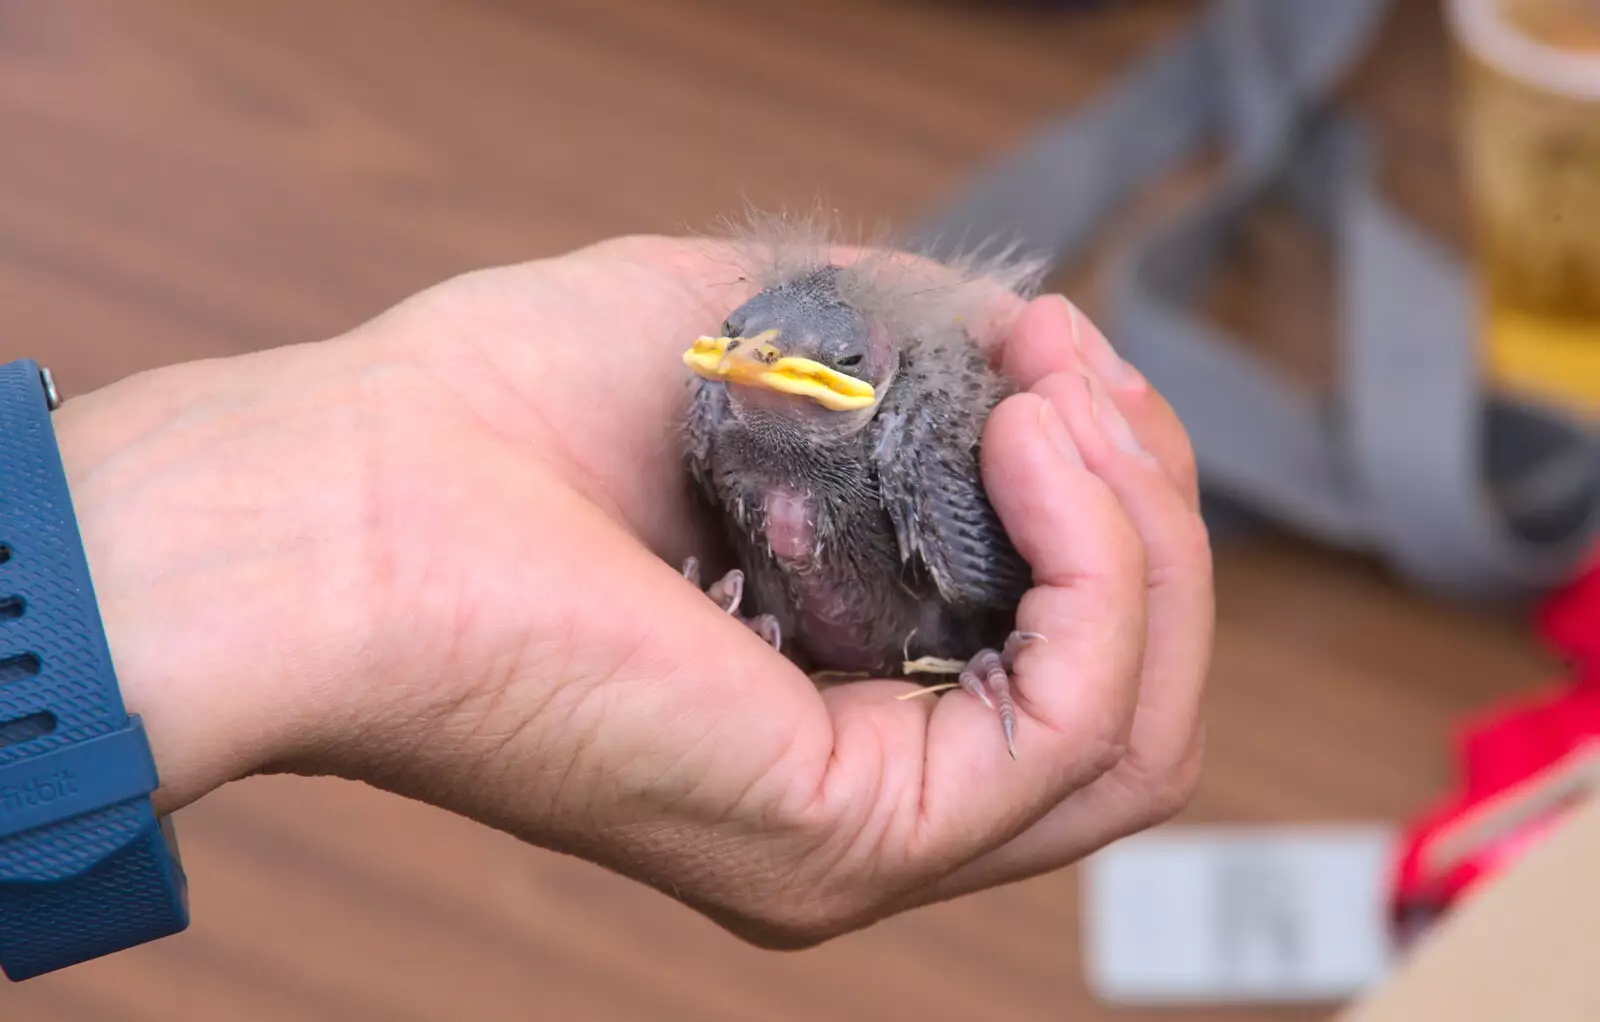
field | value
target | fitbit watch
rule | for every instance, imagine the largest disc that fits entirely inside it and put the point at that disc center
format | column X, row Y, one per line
column 86, row 868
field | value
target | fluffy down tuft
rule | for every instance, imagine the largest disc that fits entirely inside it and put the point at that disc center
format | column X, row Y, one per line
column 894, row 285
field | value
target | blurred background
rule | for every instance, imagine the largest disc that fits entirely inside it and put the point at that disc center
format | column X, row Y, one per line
column 184, row 179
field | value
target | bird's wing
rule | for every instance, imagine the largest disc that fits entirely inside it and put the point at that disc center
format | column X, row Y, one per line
column 929, row 482
column 708, row 406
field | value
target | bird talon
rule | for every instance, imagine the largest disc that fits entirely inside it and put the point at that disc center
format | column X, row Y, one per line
column 766, row 626
column 1016, row 642
column 971, row 683
column 727, row 592
column 987, row 676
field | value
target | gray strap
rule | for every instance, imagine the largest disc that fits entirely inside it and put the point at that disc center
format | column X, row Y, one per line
column 1465, row 493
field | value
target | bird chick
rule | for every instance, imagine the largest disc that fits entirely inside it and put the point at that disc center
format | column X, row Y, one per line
column 835, row 421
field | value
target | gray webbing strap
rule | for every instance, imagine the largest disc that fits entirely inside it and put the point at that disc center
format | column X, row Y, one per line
column 1464, row 492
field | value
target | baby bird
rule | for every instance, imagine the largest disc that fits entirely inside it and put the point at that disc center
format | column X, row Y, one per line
column 835, row 421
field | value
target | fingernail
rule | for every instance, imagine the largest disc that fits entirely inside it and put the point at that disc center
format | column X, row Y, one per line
column 1112, row 425
column 1097, row 352
column 1055, row 431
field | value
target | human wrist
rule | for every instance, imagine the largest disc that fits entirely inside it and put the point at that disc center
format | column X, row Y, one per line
column 198, row 590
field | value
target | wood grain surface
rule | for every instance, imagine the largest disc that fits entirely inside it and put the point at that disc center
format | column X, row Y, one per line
column 186, row 179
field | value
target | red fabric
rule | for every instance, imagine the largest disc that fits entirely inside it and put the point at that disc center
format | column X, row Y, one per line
column 1569, row 619
column 1510, row 744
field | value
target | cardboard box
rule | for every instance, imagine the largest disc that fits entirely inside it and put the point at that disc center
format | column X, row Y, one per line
column 1525, row 946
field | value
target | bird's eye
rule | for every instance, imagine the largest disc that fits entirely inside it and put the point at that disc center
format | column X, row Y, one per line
column 850, row 361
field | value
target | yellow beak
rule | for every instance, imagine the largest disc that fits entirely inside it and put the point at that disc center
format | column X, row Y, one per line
column 757, row 362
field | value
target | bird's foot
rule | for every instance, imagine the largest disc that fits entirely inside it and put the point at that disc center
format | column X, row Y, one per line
column 727, row 592
column 987, row 676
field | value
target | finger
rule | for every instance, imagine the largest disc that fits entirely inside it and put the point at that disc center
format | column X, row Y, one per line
column 1158, row 771
column 1042, row 341
column 1178, row 565
column 1075, row 692
column 1161, row 432
column 1054, row 336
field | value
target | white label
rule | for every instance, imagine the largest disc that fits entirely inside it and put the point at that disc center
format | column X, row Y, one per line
column 1215, row 915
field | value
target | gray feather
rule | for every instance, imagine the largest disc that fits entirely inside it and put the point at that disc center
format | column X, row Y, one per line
column 927, row 453
column 708, row 408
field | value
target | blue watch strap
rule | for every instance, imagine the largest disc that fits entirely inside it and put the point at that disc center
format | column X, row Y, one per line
column 86, row 868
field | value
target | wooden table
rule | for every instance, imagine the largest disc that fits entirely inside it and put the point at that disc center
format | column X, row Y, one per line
column 181, row 180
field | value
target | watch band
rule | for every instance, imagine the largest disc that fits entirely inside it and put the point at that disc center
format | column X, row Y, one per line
column 86, row 868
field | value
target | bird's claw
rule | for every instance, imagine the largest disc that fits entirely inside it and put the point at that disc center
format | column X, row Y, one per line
column 766, row 626
column 727, row 592
column 987, row 676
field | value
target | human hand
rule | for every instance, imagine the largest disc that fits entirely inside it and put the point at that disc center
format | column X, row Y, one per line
column 439, row 554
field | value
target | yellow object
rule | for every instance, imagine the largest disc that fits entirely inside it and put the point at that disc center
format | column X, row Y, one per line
column 756, row 361
column 1546, row 357
column 1531, row 133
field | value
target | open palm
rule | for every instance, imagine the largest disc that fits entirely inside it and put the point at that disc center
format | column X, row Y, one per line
column 502, row 526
